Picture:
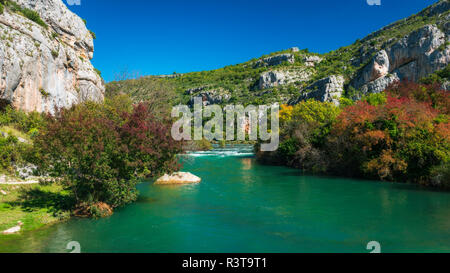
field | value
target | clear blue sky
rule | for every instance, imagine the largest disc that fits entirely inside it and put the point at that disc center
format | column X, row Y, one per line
column 160, row 37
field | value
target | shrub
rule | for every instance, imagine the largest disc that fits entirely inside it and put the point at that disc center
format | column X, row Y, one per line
column 427, row 93
column 440, row 175
column 102, row 150
column 55, row 54
column 99, row 73
column 21, row 120
column 93, row 35
column 7, row 152
column 304, row 128
column 402, row 140
column 33, row 16
column 44, row 93
column 375, row 98
column 1, row 8
column 401, row 135
column 11, row 152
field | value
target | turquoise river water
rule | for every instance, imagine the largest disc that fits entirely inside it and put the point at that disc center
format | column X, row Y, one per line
column 242, row 206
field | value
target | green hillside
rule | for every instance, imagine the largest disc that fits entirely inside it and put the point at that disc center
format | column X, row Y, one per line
column 239, row 83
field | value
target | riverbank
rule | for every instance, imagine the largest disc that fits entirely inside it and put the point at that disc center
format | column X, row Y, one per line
column 35, row 205
column 243, row 206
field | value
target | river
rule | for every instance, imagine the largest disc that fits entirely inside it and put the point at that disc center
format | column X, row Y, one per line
column 242, row 206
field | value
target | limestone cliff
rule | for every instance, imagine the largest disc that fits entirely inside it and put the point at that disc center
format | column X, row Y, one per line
column 413, row 57
column 45, row 63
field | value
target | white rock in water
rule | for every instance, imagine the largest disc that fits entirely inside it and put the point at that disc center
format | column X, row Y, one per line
column 178, row 178
column 13, row 229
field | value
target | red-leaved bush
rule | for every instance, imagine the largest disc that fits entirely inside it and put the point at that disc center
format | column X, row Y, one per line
column 404, row 139
column 102, row 150
column 400, row 135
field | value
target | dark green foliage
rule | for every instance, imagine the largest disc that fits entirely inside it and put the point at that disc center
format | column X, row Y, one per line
column 438, row 77
column 55, row 54
column 93, row 34
column 10, row 152
column 20, row 120
column 44, row 93
column 28, row 13
column 98, row 72
column 34, row 16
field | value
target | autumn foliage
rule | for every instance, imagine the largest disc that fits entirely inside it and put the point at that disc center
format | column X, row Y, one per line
column 405, row 138
column 102, row 150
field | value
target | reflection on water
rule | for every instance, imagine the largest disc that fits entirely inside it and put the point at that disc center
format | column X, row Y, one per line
column 246, row 164
column 242, row 206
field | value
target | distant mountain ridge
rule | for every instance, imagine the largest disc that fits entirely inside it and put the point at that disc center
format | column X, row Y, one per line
column 411, row 48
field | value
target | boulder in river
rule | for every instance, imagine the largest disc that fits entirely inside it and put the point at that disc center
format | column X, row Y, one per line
column 178, row 178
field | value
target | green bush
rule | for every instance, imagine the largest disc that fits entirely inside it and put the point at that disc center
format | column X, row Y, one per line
column 99, row 73
column 93, row 34
column 44, row 93
column 20, row 120
column 1, row 8
column 440, row 175
column 375, row 99
column 28, row 13
column 55, row 54
column 33, row 16
column 11, row 152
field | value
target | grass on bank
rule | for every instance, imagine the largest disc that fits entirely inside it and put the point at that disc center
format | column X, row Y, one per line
column 35, row 205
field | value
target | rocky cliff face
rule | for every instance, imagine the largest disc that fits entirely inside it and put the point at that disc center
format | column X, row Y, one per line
column 43, row 67
column 415, row 56
column 272, row 79
column 329, row 89
column 275, row 60
column 210, row 97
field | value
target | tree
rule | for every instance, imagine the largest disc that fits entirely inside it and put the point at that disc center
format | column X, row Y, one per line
column 102, row 150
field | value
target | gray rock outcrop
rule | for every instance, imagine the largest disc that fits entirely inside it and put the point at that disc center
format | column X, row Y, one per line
column 275, row 60
column 413, row 57
column 43, row 68
column 272, row 79
column 191, row 91
column 329, row 89
column 311, row 61
column 211, row 97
